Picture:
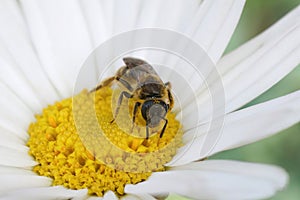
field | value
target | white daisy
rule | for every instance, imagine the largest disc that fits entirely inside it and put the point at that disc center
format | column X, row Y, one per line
column 43, row 43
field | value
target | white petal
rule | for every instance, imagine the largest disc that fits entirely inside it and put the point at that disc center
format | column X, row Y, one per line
column 121, row 16
column 138, row 197
column 251, row 169
column 109, row 195
column 59, row 33
column 214, row 24
column 98, row 23
column 210, row 23
column 15, row 171
column 13, row 79
column 260, row 63
column 209, row 180
column 14, row 109
column 15, row 158
column 15, row 115
column 107, row 8
column 244, row 126
column 17, row 53
column 46, row 193
column 9, row 139
column 11, row 182
column 11, row 142
column 94, row 198
column 125, row 15
column 258, row 122
column 177, row 18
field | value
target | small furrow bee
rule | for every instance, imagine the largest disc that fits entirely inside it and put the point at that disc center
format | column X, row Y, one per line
column 140, row 82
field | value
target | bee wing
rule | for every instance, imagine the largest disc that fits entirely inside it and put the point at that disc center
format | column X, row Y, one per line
column 135, row 62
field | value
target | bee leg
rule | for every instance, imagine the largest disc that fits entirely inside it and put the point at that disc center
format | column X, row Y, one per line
column 125, row 84
column 136, row 106
column 126, row 94
column 104, row 83
column 164, row 128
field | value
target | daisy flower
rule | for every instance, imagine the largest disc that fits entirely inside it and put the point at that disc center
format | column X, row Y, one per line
column 42, row 47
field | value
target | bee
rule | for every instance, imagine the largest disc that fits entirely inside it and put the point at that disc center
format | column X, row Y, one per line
column 140, row 82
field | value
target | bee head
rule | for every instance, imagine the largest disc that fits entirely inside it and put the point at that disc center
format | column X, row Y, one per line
column 153, row 111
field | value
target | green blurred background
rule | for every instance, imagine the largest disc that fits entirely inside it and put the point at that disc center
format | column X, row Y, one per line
column 281, row 149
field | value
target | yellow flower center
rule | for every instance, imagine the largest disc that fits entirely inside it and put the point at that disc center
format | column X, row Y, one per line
column 76, row 144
